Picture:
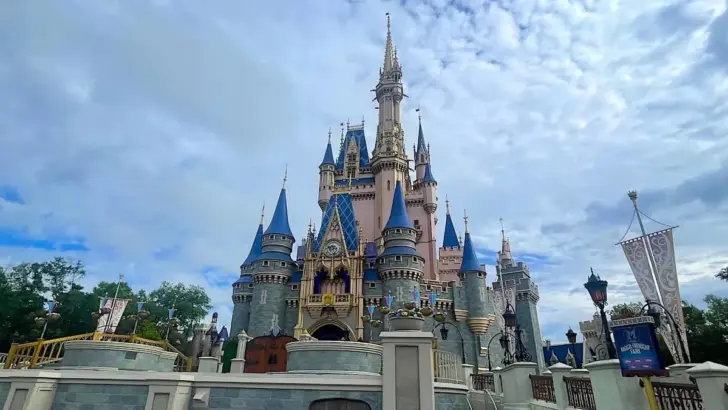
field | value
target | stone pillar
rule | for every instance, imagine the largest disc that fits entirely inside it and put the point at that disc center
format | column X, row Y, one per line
column 678, row 372
column 712, row 379
column 208, row 365
column 237, row 365
column 558, row 371
column 612, row 391
column 170, row 394
column 517, row 393
column 408, row 377
column 31, row 393
column 467, row 371
column 497, row 372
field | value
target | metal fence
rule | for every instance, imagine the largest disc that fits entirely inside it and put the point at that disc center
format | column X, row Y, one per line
column 579, row 393
column 677, row 396
column 448, row 368
column 542, row 388
column 483, row 381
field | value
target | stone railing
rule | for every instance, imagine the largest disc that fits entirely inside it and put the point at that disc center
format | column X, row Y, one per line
column 542, row 388
column 579, row 393
column 601, row 386
column 682, row 396
column 483, row 381
column 448, row 368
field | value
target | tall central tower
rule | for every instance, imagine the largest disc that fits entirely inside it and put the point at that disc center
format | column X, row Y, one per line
column 389, row 162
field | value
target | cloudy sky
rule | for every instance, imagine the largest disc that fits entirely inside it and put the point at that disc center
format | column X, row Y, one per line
column 144, row 136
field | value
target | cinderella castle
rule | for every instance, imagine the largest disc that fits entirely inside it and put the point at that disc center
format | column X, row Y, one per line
column 376, row 243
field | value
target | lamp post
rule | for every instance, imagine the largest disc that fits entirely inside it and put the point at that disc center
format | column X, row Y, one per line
column 509, row 317
column 505, row 345
column 141, row 314
column 571, row 337
column 656, row 315
column 598, row 291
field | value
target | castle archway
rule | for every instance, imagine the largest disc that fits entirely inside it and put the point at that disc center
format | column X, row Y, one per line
column 329, row 329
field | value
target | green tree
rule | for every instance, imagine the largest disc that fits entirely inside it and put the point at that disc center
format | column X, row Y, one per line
column 191, row 303
column 148, row 330
column 722, row 274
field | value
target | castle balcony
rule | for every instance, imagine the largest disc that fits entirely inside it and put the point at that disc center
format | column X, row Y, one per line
column 342, row 304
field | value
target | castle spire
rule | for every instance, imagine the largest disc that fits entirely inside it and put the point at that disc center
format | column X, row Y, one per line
column 398, row 217
column 504, row 256
column 451, row 237
column 328, row 154
column 279, row 222
column 470, row 259
column 257, row 247
column 389, row 48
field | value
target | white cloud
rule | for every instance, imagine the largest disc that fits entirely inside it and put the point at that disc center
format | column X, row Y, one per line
column 150, row 127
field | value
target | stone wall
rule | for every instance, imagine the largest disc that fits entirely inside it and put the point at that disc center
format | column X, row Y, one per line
column 4, row 390
column 451, row 401
column 100, row 397
column 334, row 355
column 279, row 399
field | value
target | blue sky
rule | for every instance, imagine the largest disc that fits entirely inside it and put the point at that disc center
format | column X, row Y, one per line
column 143, row 137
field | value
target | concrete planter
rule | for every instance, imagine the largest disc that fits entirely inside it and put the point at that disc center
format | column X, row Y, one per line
column 406, row 324
column 116, row 355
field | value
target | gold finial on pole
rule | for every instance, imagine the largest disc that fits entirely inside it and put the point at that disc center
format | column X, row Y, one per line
column 419, row 114
column 342, row 136
column 447, row 205
column 329, row 135
column 285, row 177
column 389, row 24
column 262, row 214
column 465, row 218
column 503, row 230
column 362, row 120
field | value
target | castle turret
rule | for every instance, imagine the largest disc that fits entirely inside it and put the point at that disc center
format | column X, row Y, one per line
column 389, row 161
column 425, row 181
column 518, row 276
column 472, row 273
column 451, row 251
column 243, row 287
column 271, row 271
column 422, row 153
column 326, row 176
column 400, row 266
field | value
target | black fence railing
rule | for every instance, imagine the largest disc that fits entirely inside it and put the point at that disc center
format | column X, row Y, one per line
column 579, row 393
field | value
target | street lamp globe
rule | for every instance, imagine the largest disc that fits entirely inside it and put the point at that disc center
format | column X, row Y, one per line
column 571, row 336
column 509, row 316
column 443, row 332
column 503, row 341
column 597, row 289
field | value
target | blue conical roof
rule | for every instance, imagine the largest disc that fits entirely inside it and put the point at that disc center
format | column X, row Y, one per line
column 470, row 259
column 398, row 217
column 428, row 174
column 328, row 156
column 451, row 237
column 257, row 247
column 279, row 222
column 421, row 146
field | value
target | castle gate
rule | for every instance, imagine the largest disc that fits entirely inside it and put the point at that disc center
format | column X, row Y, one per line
column 267, row 354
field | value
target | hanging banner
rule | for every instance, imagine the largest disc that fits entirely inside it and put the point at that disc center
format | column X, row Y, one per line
column 663, row 251
column 108, row 324
column 639, row 262
column 635, row 250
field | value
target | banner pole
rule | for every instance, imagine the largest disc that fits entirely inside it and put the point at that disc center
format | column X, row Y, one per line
column 650, row 393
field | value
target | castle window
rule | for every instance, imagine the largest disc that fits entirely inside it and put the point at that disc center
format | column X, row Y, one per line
column 480, row 274
column 272, row 237
column 417, row 223
column 429, row 288
column 397, row 231
column 414, row 259
column 397, row 258
column 389, row 185
column 372, row 285
column 294, row 287
column 283, row 264
column 266, row 263
column 250, row 285
column 371, row 264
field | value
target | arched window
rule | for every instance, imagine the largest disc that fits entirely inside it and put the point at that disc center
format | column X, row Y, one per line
column 389, row 185
column 339, row 404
